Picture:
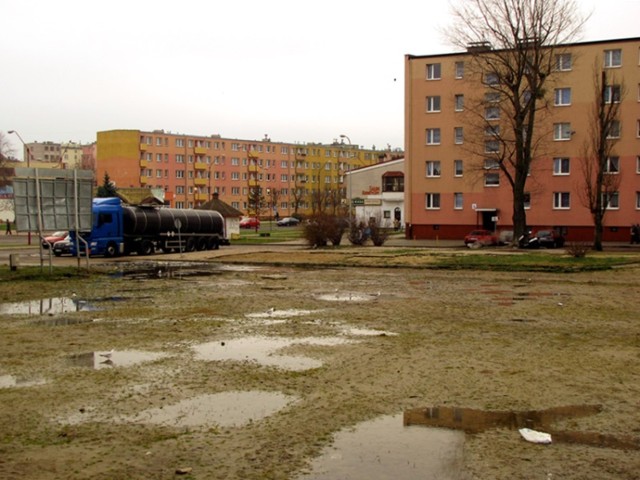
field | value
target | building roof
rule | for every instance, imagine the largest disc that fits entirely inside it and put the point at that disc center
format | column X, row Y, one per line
column 138, row 196
column 226, row 210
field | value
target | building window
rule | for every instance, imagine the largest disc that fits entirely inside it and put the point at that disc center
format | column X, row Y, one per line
column 562, row 96
column 179, row 142
column 612, row 165
column 459, row 102
column 611, row 200
column 613, row 58
column 393, row 183
column 459, row 69
column 179, row 158
column 433, row 104
column 561, row 131
column 638, row 200
column 433, row 136
column 614, row 129
column 433, row 168
column 179, row 173
column 527, row 200
column 638, row 164
column 612, row 94
column 492, row 113
column 492, row 97
column 492, row 130
column 432, row 201
column 458, row 135
column 433, row 71
column 457, row 200
column 457, row 168
column 563, row 62
column 491, row 78
column 561, row 200
column 492, row 146
column 492, row 179
column 561, row 166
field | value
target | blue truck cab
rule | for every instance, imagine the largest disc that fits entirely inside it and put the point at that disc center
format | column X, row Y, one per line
column 106, row 236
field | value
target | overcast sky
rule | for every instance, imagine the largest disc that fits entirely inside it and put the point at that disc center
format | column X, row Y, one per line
column 299, row 71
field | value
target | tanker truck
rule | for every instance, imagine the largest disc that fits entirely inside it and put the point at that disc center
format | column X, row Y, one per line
column 121, row 229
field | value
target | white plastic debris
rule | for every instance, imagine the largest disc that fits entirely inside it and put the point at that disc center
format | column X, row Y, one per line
column 534, row 436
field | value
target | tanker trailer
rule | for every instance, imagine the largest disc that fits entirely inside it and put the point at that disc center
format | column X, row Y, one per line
column 120, row 230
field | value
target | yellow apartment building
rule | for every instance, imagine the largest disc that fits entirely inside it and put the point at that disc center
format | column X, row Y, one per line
column 452, row 188
column 191, row 168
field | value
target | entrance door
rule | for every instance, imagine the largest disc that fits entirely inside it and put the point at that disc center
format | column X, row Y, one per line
column 488, row 222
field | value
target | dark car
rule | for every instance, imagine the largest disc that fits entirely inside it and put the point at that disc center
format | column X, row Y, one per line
column 288, row 222
column 62, row 247
column 550, row 239
column 480, row 237
column 53, row 238
column 250, row 222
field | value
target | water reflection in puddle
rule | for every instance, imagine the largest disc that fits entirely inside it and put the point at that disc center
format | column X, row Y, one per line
column 384, row 448
column 46, row 306
column 9, row 381
column 111, row 359
column 263, row 350
column 175, row 270
column 474, row 421
column 368, row 332
column 227, row 409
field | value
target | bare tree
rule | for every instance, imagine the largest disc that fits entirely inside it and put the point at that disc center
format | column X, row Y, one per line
column 600, row 166
column 513, row 46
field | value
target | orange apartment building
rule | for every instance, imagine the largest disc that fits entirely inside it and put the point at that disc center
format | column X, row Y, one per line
column 189, row 169
column 451, row 188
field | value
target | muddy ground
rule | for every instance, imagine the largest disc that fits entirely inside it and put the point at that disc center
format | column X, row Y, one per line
column 489, row 341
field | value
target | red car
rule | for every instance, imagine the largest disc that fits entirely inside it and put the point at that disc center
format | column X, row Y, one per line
column 250, row 222
column 49, row 240
column 482, row 237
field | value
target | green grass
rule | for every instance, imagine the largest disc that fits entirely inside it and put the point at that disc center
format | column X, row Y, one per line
column 268, row 232
column 534, row 262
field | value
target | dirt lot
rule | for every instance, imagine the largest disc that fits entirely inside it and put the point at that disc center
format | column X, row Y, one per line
column 481, row 340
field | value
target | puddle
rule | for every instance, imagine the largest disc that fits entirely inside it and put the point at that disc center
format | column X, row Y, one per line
column 47, row 306
column 112, row 359
column 347, row 297
column 61, row 321
column 227, row 409
column 10, row 381
column 263, row 350
column 176, row 270
column 367, row 332
column 474, row 421
column 383, row 448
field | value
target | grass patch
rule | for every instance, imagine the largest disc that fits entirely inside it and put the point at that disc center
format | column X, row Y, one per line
column 532, row 262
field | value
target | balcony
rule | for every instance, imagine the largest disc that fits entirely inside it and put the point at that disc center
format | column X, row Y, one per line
column 201, row 197
column 200, row 182
column 144, row 163
column 144, row 147
column 143, row 180
column 200, row 150
column 200, row 166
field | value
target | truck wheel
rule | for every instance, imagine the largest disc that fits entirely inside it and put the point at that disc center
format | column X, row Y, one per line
column 202, row 244
column 213, row 244
column 111, row 250
column 191, row 245
column 146, row 248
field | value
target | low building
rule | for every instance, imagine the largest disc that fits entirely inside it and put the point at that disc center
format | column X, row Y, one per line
column 377, row 192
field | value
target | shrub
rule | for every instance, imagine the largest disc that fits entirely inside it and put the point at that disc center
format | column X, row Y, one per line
column 322, row 229
column 578, row 249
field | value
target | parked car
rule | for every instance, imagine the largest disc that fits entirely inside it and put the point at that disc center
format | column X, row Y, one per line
column 288, row 222
column 481, row 237
column 63, row 247
column 250, row 222
column 53, row 238
column 550, row 239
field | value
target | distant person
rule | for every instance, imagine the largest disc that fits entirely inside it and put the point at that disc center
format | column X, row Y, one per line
column 8, row 232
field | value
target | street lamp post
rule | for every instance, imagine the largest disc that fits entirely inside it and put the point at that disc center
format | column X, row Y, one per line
column 26, row 147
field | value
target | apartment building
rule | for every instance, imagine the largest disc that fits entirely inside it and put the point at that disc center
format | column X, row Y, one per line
column 66, row 155
column 191, row 168
column 453, row 186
